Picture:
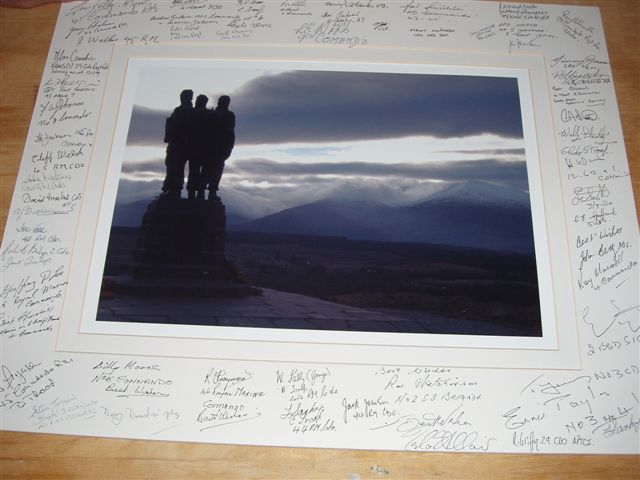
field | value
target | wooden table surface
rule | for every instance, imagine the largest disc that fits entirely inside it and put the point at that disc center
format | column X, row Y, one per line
column 24, row 41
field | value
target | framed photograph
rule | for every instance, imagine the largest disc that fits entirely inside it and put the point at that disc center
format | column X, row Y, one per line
column 401, row 208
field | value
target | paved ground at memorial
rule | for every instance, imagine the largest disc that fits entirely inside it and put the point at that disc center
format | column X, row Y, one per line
column 275, row 309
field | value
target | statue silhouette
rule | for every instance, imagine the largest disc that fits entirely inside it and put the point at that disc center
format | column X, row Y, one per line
column 200, row 149
column 182, row 242
column 222, row 140
column 177, row 133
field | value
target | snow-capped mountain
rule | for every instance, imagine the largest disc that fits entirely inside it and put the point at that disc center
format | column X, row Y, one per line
column 479, row 193
column 352, row 219
column 473, row 214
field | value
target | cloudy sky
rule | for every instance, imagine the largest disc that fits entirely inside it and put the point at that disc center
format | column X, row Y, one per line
column 303, row 135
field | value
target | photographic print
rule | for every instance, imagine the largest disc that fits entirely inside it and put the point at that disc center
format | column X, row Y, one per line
column 324, row 197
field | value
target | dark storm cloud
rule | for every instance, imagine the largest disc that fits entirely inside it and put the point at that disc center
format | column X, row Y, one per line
column 146, row 126
column 489, row 169
column 309, row 106
column 306, row 106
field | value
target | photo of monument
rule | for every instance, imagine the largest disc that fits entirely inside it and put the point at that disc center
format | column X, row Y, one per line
column 324, row 199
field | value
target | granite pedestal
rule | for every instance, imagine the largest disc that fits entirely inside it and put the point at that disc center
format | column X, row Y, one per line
column 180, row 252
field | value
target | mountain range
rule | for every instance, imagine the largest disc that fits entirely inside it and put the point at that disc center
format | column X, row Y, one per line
column 130, row 214
column 472, row 214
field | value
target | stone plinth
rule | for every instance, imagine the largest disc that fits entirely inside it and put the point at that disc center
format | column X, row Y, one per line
column 180, row 252
column 181, row 238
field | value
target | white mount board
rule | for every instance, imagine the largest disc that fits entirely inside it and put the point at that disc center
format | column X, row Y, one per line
column 590, row 406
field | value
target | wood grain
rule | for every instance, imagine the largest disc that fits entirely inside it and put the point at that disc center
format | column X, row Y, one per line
column 25, row 36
